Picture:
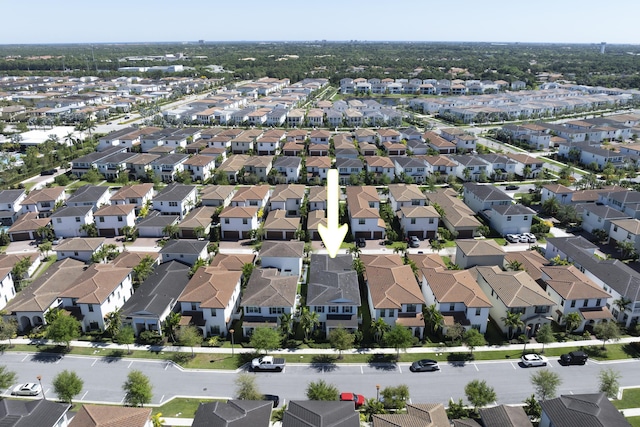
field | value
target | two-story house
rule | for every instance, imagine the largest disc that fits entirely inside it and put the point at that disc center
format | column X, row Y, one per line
column 288, row 168
column 69, row 220
column 267, row 297
column 483, row 197
column 288, row 198
column 111, row 219
column 217, row 195
column 138, row 195
column 200, row 167
column 94, row 196
column 514, row 292
column 382, row 167
column 285, row 256
column 508, row 219
column 317, row 167
column 167, row 167
column 79, row 248
column 236, row 222
column 419, row 221
column 185, row 251
column 255, row 196
column 43, row 201
column 210, row 300
column 363, row 204
column 176, row 199
column 333, row 292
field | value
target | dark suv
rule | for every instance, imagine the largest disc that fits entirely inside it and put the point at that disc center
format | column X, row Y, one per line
column 361, row 242
column 574, row 358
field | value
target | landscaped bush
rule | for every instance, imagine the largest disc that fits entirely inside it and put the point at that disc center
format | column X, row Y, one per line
column 149, row 338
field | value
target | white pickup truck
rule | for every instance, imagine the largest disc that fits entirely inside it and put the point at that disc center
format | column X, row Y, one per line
column 268, row 363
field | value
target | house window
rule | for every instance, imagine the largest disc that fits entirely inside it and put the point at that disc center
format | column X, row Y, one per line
column 253, row 203
column 119, row 219
column 478, row 310
column 319, row 309
column 598, row 302
column 244, row 221
column 91, row 308
column 361, row 221
column 226, row 220
column 542, row 309
column 215, row 330
column 249, row 310
column 413, row 220
column 276, row 310
column 526, row 217
column 562, row 303
column 347, row 309
column 59, row 220
column 333, row 309
column 174, row 204
column 508, row 218
column 383, row 312
column 411, row 308
column 214, row 312
column 194, row 306
column 101, row 219
column 573, row 303
column 77, row 219
column 75, row 253
column 430, row 220
column 452, row 307
column 415, row 203
column 585, row 303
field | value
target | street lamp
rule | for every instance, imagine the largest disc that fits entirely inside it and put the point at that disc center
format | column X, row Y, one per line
column 231, row 331
column 378, row 392
column 39, row 377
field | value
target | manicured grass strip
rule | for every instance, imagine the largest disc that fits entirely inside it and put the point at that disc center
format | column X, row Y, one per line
column 630, row 399
column 634, row 421
column 180, row 407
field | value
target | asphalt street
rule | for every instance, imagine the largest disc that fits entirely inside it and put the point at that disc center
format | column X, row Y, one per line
column 103, row 378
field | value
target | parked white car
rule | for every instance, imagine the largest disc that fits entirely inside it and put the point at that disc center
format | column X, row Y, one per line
column 533, row 359
column 513, row 238
column 28, row 389
column 531, row 237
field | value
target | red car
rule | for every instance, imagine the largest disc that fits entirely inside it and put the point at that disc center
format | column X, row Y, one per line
column 358, row 399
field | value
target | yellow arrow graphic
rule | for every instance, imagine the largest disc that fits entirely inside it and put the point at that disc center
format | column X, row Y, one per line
column 333, row 234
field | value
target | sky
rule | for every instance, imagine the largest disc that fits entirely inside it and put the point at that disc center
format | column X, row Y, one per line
column 538, row 21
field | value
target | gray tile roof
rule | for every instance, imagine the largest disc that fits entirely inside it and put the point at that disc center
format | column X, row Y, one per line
column 513, row 210
column 233, row 413
column 184, row 246
column 486, row 192
column 156, row 219
column 287, row 162
column 71, row 211
column 332, row 281
column 171, row 159
column 266, row 288
column 174, row 192
column 88, row 193
column 318, row 413
column 505, row 416
column 161, row 290
column 10, row 196
column 28, row 413
column 583, row 410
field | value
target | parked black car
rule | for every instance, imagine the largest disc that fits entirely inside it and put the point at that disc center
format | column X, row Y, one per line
column 49, row 172
column 273, row 398
column 574, row 358
column 361, row 242
column 511, row 187
column 424, row 365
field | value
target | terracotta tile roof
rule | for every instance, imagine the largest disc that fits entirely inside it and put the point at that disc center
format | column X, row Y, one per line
column 596, row 313
column 113, row 210
column 405, row 192
column 282, row 192
column 217, row 192
column 28, row 222
column 427, row 260
column 358, row 199
column 472, row 247
column 379, row 161
column 199, row 217
column 390, row 282
column 96, row 283
column 232, row 262
column 43, row 195
column 278, row 220
column 452, row 286
column 532, row 262
column 80, row 244
column 238, row 212
column 255, row 192
column 457, row 213
column 317, row 194
column 200, row 160
column 211, row 287
column 128, row 259
column 419, row 212
column 514, row 288
column 314, row 218
column 571, row 284
column 318, row 162
column 132, row 191
column 110, row 416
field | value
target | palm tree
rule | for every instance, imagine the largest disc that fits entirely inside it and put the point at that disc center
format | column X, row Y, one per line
column 550, row 206
column 378, row 328
column 514, row 265
column 170, row 323
column 144, row 269
column 91, row 230
column 354, row 251
column 286, row 325
column 622, row 304
column 572, row 321
column 308, row 321
column 171, row 231
column 434, row 318
column 114, row 322
column 44, row 249
column 199, row 231
column 513, row 322
column 358, row 266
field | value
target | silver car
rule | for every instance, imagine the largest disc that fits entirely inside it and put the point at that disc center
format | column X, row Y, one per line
column 28, row 389
column 533, row 359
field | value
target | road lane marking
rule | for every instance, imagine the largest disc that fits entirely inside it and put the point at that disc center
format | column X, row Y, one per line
column 123, row 398
column 84, row 395
column 400, row 368
column 94, row 362
column 514, row 366
column 361, row 370
column 476, row 366
column 161, row 399
column 130, row 363
column 25, row 358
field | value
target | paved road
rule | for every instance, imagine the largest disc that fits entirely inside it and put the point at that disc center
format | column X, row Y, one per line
column 103, row 378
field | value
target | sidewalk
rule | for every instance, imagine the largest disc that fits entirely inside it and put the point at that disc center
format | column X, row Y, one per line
column 307, row 351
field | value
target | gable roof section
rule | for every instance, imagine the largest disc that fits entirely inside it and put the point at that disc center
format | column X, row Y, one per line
column 28, row 222
column 113, row 210
column 43, row 195
column 267, row 288
column 28, row 413
column 390, row 282
column 532, row 262
column 471, row 247
column 184, row 246
column 132, row 191
column 278, row 220
column 405, row 192
column 514, row 288
column 80, row 244
column 233, row 413
column 232, row 262
column 570, row 283
column 332, row 281
column 457, row 213
column 238, row 212
column 318, row 413
column 452, row 286
column 69, row 211
column 282, row 192
column 272, row 248
column 110, row 416
column 505, row 416
column 217, row 192
column 255, row 192
column 580, row 410
column 486, row 192
column 174, row 192
column 96, row 283
column 199, row 217
column 87, row 193
column 358, row 199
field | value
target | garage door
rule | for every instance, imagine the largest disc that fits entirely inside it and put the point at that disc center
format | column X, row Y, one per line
column 417, row 233
column 465, row 234
column 274, row 235
column 188, row 233
column 19, row 237
column 363, row 234
column 231, row 235
column 377, row 235
column 107, row 232
column 290, row 235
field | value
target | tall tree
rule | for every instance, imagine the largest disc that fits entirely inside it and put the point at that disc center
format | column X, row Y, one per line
column 609, row 382
column 19, row 271
column 622, row 304
column 189, row 336
column 265, row 339
column 8, row 329
column 513, row 321
column 286, row 325
column 144, row 269
column 63, row 330
column 473, row 338
column 341, row 339
column 44, row 248
column 137, row 388
column 170, row 323
column 308, row 321
column 114, row 322
column 126, row 335
column 67, row 385
column 532, row 407
column 435, row 319
column 479, row 394
column 378, row 328
column 545, row 335
column 320, row 390
column 7, row 377
column 400, row 338
column 572, row 321
column 545, row 383
column 606, row 331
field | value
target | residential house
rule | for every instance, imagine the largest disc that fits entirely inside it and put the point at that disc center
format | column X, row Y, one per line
column 317, row 413
column 43, row 201
column 288, row 169
column 267, row 297
column 317, row 198
column 156, row 297
column 363, row 205
column 94, row 196
column 79, row 248
column 393, row 292
column 84, row 164
column 612, row 275
column 528, row 167
column 500, row 167
column 586, row 410
column 457, row 218
column 348, row 168
column 167, row 167
column 558, row 191
column 232, row 262
column 573, row 292
column 333, row 292
column 111, row 219
column 395, row 148
column 285, row 256
column 438, row 144
column 620, row 230
column 7, row 279
column 320, row 136
column 200, row 167
column 418, row 147
column 254, row 196
column 217, row 195
column 27, row 227
column 185, row 251
column 514, row 292
column 104, row 416
column 405, row 195
column 39, row 412
column 510, row 219
column 456, row 295
column 388, row 135
column 210, row 300
column 381, row 167
column 418, row 414
column 624, row 200
column 410, row 168
column 233, row 413
column 465, row 141
column 98, row 291
column 139, row 195
column 530, row 261
column 68, row 221
column 439, row 167
column 317, row 168
column 314, row 219
column 483, row 197
column 599, row 217
column 505, row 416
column 293, row 149
column 42, row 294
column 470, row 168
column 154, row 224
column 237, row 222
column 316, row 150
column 260, row 166
column 197, row 224
column 142, row 165
column 288, row 198
column 419, row 221
column 112, row 166
column 279, row 226
column 478, row 252
column 176, row 199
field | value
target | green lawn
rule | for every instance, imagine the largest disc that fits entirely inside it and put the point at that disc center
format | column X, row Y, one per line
column 181, row 407
column 634, row 421
column 630, row 399
column 44, row 265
